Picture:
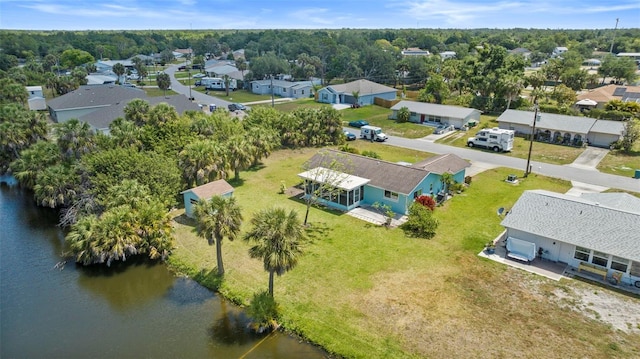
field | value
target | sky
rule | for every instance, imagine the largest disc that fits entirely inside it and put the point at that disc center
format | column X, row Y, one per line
column 319, row 14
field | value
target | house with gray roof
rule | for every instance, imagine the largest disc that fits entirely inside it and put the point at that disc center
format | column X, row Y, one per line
column 365, row 180
column 101, row 119
column 90, row 98
column 367, row 91
column 297, row 89
column 434, row 114
column 563, row 129
column 598, row 229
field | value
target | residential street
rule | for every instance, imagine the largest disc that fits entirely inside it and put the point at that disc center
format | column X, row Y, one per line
column 579, row 173
column 566, row 172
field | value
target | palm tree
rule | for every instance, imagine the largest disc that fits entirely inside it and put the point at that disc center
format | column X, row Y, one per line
column 239, row 154
column 164, row 82
column 278, row 238
column 56, row 186
column 137, row 111
column 216, row 219
column 202, row 162
column 119, row 70
column 512, row 85
column 75, row 138
column 33, row 161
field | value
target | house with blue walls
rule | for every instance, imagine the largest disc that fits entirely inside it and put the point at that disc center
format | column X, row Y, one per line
column 367, row 91
column 363, row 181
column 205, row 192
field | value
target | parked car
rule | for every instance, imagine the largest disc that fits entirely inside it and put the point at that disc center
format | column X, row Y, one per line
column 182, row 68
column 199, row 75
column 443, row 129
column 197, row 83
column 350, row 136
column 358, row 123
column 236, row 107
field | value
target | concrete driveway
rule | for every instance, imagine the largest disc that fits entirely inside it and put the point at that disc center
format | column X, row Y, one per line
column 589, row 158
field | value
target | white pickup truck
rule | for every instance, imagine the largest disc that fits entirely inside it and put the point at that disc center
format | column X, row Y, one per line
column 496, row 139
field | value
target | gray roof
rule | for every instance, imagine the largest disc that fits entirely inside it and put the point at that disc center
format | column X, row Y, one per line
column 549, row 121
column 382, row 174
column 283, row 83
column 102, row 118
column 580, row 221
column 435, row 109
column 446, row 163
column 364, row 87
column 95, row 96
column 607, row 126
column 623, row 201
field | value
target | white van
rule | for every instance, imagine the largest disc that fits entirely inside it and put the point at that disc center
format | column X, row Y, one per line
column 372, row 133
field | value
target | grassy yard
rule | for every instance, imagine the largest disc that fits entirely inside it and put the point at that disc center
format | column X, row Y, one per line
column 364, row 291
column 621, row 163
column 542, row 152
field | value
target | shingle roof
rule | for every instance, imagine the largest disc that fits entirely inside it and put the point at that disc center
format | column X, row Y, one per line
column 364, row 87
column 579, row 221
column 440, row 164
column 95, row 96
column 550, row 121
column 608, row 93
column 103, row 117
column 607, row 126
column 215, row 188
column 382, row 174
column 435, row 109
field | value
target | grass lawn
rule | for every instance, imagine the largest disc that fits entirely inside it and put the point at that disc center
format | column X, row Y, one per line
column 542, row 152
column 240, row 96
column 621, row 163
column 155, row 92
column 364, row 291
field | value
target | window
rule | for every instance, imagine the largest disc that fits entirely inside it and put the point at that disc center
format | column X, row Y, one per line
column 581, row 253
column 193, row 201
column 619, row 264
column 600, row 258
column 417, row 193
column 391, row 195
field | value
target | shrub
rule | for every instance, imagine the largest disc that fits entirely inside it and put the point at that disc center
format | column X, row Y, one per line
column 263, row 311
column 421, row 222
column 371, row 154
column 427, row 201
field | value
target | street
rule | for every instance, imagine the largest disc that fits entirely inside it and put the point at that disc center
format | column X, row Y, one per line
column 566, row 172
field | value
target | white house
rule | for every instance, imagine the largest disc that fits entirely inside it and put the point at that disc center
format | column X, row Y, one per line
column 559, row 50
column 600, row 230
column 414, row 51
column 298, row 89
column 435, row 114
column 36, row 99
column 448, row 55
column 205, row 192
column 563, row 129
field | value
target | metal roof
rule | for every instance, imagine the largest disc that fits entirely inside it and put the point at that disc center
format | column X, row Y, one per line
column 435, row 109
column 337, row 179
column 581, row 221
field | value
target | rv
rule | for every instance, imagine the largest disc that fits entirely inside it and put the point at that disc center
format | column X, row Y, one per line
column 216, row 83
column 496, row 139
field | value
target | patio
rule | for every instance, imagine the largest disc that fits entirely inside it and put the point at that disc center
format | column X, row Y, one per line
column 553, row 270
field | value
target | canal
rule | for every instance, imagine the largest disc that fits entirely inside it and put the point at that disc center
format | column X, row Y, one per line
column 53, row 309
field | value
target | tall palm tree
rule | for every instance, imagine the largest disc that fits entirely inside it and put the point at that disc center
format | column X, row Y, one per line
column 203, row 161
column 278, row 237
column 239, row 154
column 137, row 111
column 216, row 219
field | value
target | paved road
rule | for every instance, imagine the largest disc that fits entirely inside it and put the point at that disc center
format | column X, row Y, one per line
column 566, row 172
column 198, row 96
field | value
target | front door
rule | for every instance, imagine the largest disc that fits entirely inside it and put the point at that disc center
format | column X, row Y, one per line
column 422, row 116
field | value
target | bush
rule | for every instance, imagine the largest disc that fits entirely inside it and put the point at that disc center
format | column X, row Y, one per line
column 421, row 222
column 371, row 154
column 263, row 311
column 427, row 201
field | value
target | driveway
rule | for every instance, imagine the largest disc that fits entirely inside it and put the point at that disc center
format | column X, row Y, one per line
column 590, row 158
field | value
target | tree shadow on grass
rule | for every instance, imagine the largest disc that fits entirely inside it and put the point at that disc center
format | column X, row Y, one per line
column 209, row 279
column 184, row 220
column 317, row 231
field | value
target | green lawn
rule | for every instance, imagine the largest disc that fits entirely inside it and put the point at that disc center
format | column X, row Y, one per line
column 621, row 163
column 542, row 152
column 365, row 291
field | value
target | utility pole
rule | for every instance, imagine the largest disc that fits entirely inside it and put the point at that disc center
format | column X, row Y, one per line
column 533, row 132
column 614, row 36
